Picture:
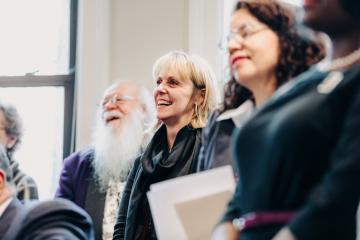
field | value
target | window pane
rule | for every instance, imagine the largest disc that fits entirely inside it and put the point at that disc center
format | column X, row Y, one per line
column 34, row 37
column 40, row 154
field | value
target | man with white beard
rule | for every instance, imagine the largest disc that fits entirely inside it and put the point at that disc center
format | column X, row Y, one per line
column 94, row 178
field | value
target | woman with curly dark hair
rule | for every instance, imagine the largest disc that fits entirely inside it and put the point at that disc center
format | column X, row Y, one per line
column 265, row 51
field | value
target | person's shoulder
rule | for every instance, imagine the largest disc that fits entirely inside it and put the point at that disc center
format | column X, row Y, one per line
column 14, row 206
column 58, row 215
column 80, row 157
column 39, row 208
column 212, row 119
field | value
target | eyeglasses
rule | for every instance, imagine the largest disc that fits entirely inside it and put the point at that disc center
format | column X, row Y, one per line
column 115, row 99
column 244, row 32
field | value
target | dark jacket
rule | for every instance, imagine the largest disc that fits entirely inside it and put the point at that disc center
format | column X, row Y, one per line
column 76, row 176
column 77, row 184
column 216, row 149
column 52, row 219
column 156, row 164
column 8, row 216
column 301, row 152
column 216, row 143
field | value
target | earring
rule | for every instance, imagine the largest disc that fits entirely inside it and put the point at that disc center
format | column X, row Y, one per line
column 196, row 110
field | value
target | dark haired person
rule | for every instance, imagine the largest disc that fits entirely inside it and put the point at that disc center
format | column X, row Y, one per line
column 265, row 51
column 300, row 164
column 34, row 220
column 11, row 132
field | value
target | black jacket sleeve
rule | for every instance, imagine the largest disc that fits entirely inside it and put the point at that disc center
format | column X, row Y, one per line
column 120, row 225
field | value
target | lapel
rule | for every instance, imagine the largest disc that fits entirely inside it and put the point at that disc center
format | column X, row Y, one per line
column 9, row 215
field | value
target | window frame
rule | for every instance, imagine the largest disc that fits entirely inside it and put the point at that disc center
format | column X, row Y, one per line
column 68, row 81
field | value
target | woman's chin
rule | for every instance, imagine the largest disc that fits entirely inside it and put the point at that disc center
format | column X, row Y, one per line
column 244, row 78
column 162, row 118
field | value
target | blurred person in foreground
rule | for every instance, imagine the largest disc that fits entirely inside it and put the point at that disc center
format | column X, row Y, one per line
column 34, row 220
column 11, row 132
column 265, row 51
column 94, row 177
column 300, row 164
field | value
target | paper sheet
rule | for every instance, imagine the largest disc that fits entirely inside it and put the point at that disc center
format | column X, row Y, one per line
column 184, row 193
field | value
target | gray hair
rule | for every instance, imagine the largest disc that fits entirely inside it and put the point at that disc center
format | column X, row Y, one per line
column 5, row 164
column 146, row 101
column 13, row 125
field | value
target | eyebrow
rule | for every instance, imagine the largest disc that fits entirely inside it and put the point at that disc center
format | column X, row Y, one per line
column 117, row 96
column 171, row 76
column 243, row 26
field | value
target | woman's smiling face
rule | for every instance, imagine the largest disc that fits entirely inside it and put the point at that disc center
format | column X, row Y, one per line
column 174, row 97
column 254, row 49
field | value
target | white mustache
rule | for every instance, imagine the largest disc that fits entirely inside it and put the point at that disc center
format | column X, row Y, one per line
column 112, row 114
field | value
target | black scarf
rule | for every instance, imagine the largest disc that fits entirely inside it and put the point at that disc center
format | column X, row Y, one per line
column 158, row 164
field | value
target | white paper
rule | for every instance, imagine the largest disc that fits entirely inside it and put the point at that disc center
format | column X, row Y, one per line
column 165, row 195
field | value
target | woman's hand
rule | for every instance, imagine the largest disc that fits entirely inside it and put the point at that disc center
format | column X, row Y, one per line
column 225, row 231
column 284, row 234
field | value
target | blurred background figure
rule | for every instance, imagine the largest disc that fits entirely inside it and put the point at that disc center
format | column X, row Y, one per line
column 94, row 178
column 265, row 51
column 54, row 219
column 184, row 97
column 298, row 156
column 11, row 132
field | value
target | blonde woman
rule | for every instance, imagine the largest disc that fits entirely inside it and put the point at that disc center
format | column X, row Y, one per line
column 184, row 97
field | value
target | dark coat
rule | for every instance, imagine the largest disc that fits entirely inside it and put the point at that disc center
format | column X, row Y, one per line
column 78, row 185
column 52, row 219
column 156, row 164
column 216, row 143
column 216, row 149
column 76, row 176
column 301, row 152
column 8, row 215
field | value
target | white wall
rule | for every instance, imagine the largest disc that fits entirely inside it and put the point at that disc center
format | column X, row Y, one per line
column 142, row 31
column 93, row 48
column 121, row 39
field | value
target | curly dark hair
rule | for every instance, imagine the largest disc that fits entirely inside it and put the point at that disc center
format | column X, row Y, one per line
column 297, row 53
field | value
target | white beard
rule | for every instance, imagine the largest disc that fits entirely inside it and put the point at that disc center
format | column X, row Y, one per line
column 116, row 148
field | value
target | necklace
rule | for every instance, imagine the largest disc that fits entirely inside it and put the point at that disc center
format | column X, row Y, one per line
column 342, row 62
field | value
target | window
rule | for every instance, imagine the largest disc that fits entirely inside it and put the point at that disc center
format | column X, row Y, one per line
column 37, row 75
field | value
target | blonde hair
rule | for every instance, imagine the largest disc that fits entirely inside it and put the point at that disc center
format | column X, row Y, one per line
column 200, row 73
